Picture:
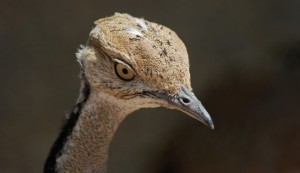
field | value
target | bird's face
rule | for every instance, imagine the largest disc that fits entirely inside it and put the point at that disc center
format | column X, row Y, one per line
column 141, row 63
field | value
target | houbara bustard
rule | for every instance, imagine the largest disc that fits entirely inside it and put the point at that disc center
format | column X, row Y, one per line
column 127, row 63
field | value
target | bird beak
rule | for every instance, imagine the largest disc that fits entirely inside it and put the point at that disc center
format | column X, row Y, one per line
column 186, row 101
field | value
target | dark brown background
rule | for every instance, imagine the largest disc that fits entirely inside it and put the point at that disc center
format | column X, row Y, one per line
column 245, row 65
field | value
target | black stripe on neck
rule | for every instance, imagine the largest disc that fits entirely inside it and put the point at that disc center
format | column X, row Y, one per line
column 56, row 150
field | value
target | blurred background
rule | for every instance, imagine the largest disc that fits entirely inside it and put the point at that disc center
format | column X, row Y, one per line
column 245, row 67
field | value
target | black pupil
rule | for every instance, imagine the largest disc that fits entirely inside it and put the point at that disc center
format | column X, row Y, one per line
column 125, row 71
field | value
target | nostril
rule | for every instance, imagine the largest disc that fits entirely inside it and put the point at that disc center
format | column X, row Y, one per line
column 185, row 100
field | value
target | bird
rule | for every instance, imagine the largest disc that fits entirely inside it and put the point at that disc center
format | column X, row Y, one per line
column 127, row 63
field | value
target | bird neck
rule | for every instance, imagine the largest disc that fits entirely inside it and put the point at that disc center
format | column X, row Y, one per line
column 85, row 147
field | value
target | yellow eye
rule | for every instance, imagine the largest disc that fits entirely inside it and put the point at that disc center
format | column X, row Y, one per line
column 124, row 72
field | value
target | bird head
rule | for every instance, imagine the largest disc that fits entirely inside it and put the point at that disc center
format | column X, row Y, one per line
column 140, row 63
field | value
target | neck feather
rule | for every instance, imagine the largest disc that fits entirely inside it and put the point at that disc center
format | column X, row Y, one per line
column 83, row 144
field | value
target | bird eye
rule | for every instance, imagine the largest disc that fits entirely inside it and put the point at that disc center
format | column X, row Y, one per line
column 124, row 72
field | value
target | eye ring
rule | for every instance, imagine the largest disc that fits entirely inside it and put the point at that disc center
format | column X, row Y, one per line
column 123, row 72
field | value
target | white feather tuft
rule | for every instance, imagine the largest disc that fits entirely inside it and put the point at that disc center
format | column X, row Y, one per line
column 79, row 54
column 141, row 23
column 134, row 32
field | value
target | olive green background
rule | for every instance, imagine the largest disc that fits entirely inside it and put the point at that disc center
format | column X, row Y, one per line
column 245, row 66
